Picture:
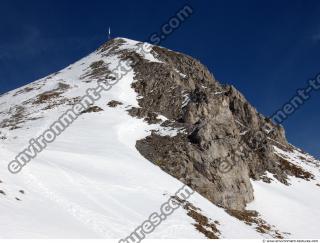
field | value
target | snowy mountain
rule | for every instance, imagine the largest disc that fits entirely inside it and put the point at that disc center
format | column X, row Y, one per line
column 166, row 123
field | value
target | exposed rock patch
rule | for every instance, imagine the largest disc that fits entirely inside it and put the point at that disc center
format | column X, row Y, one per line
column 92, row 109
column 150, row 117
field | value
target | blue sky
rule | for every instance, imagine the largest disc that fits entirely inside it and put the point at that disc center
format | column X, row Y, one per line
column 267, row 49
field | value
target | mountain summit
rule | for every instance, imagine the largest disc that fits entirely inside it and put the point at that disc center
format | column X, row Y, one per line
column 164, row 122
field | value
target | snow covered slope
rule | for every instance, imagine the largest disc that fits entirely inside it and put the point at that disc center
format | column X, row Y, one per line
column 93, row 183
column 293, row 208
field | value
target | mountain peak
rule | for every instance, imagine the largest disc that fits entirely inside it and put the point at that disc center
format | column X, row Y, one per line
column 166, row 122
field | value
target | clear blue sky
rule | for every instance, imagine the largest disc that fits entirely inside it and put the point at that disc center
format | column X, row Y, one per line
column 267, row 49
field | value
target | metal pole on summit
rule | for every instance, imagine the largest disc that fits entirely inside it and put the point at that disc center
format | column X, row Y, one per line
column 109, row 34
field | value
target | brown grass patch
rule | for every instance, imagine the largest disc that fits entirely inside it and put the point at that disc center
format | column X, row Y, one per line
column 295, row 170
column 18, row 115
column 52, row 94
column 98, row 70
column 203, row 224
column 247, row 216
column 252, row 218
column 114, row 103
column 22, row 91
column 46, row 96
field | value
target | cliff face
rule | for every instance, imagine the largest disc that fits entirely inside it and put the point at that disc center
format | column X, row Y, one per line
column 223, row 141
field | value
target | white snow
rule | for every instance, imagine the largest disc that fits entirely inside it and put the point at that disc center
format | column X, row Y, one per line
column 186, row 100
column 140, row 48
column 180, row 73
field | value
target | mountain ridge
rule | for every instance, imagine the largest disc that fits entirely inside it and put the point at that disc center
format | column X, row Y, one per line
column 171, row 109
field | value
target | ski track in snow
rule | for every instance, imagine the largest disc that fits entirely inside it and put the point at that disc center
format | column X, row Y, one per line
column 96, row 222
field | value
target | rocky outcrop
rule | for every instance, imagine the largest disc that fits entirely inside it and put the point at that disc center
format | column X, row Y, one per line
column 225, row 142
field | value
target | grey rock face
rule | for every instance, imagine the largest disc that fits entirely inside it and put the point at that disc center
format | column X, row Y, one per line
column 226, row 141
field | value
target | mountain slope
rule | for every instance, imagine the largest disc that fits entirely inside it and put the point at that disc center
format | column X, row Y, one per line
column 96, row 179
